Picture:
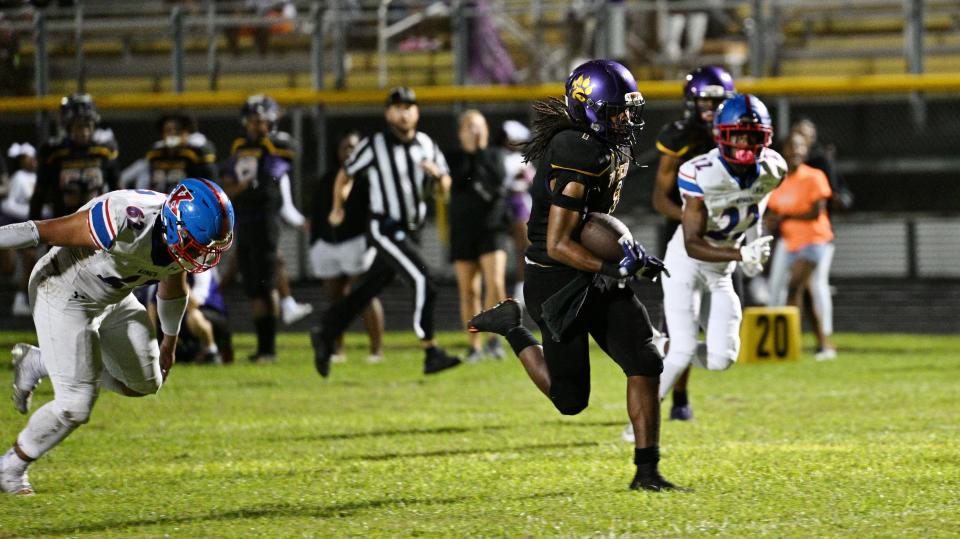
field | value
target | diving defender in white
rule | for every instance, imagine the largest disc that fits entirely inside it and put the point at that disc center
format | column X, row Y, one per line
column 92, row 332
column 724, row 193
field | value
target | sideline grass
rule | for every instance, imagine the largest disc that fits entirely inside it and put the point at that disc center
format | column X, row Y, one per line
column 868, row 445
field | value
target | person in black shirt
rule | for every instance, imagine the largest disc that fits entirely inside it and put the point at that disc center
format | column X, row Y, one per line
column 478, row 226
column 704, row 89
column 340, row 254
column 181, row 153
column 76, row 167
column 582, row 146
column 399, row 166
column 251, row 178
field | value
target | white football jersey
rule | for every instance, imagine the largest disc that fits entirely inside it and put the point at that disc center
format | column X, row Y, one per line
column 130, row 252
column 732, row 206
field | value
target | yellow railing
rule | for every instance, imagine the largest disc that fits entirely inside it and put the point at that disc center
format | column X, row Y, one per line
column 783, row 86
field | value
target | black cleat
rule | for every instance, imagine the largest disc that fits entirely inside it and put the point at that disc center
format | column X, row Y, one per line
column 652, row 481
column 438, row 360
column 681, row 413
column 499, row 319
column 322, row 352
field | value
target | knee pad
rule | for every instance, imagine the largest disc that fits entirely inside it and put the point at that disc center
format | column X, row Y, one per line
column 645, row 361
column 73, row 414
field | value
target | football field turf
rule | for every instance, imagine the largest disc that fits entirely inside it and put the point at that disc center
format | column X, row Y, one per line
column 867, row 445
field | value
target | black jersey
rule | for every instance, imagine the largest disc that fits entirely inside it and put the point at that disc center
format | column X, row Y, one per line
column 69, row 175
column 573, row 156
column 260, row 164
column 169, row 166
column 684, row 139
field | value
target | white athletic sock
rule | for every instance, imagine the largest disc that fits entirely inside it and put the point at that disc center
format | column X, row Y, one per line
column 43, row 431
column 288, row 303
column 213, row 349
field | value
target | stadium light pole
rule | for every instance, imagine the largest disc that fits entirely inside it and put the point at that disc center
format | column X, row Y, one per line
column 913, row 52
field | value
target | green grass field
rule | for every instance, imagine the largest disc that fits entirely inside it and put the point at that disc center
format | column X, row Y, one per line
column 868, row 445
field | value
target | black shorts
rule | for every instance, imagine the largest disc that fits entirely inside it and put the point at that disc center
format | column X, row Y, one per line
column 257, row 257
column 616, row 320
column 470, row 242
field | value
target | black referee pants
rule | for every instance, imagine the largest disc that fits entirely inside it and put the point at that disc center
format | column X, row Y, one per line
column 397, row 254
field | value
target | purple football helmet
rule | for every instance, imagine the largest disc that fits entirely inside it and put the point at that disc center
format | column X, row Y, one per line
column 603, row 96
column 712, row 83
column 263, row 106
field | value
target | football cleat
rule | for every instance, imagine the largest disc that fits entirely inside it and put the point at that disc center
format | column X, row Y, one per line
column 475, row 356
column 14, row 481
column 825, row 354
column 438, row 360
column 375, row 358
column 26, row 375
column 338, row 358
column 322, row 352
column 651, row 480
column 499, row 319
column 295, row 313
column 211, row 358
column 681, row 413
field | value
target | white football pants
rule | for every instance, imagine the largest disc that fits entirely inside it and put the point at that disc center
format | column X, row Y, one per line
column 83, row 347
column 690, row 282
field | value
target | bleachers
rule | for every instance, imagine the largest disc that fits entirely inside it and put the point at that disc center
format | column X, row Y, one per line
column 864, row 38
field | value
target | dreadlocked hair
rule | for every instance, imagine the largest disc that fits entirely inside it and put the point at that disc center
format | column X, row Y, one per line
column 552, row 118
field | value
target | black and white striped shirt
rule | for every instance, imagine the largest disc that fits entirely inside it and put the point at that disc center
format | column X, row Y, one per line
column 392, row 170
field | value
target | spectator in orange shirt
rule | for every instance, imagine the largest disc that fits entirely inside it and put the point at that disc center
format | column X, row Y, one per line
column 799, row 208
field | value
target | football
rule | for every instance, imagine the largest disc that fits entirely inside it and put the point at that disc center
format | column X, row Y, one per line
column 602, row 234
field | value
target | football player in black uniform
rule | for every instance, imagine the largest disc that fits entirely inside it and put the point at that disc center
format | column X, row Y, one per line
column 582, row 147
column 703, row 91
column 181, row 153
column 251, row 178
column 77, row 166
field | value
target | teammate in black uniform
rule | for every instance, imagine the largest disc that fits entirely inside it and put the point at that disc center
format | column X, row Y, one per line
column 181, row 153
column 251, row 178
column 582, row 149
column 77, row 166
column 705, row 88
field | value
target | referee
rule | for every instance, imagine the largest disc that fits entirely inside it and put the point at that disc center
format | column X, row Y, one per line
column 399, row 165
